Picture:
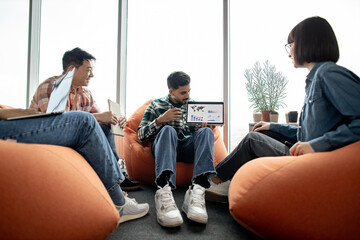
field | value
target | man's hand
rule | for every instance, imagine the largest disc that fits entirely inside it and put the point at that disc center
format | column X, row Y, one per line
column 261, row 126
column 205, row 124
column 301, row 148
column 106, row 117
column 169, row 115
column 110, row 117
column 122, row 121
column 6, row 113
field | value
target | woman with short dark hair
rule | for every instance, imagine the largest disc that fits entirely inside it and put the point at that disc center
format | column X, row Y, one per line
column 329, row 119
column 315, row 41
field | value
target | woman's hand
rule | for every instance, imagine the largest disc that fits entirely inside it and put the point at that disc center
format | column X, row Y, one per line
column 261, row 126
column 300, row 148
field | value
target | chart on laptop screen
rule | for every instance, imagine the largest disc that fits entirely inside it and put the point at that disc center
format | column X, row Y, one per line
column 210, row 112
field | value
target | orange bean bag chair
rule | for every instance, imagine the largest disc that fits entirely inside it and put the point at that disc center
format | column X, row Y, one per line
column 51, row 192
column 314, row 196
column 140, row 162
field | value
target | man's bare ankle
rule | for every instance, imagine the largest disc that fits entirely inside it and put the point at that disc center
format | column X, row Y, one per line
column 216, row 180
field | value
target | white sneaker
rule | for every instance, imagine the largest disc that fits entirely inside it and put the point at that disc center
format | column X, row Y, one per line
column 167, row 214
column 194, row 204
column 131, row 209
column 218, row 192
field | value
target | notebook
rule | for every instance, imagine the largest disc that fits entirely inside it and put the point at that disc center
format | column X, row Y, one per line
column 58, row 97
column 115, row 108
column 209, row 112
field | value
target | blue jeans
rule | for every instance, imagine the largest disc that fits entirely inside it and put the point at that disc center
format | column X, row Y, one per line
column 110, row 138
column 78, row 130
column 198, row 149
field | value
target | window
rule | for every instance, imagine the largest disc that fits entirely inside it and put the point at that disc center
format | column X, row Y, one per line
column 90, row 25
column 258, row 34
column 14, row 25
column 166, row 36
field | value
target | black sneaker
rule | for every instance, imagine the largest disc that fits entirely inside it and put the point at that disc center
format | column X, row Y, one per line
column 128, row 185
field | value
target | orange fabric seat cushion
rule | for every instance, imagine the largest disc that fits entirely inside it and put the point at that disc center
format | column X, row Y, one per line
column 51, row 192
column 313, row 196
column 140, row 162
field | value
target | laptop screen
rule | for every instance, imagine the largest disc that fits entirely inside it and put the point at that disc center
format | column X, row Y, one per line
column 210, row 112
column 60, row 93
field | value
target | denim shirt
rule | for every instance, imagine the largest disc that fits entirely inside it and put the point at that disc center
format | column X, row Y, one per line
column 330, row 117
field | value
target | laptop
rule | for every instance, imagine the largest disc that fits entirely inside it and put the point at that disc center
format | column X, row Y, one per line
column 58, row 97
column 115, row 108
column 209, row 112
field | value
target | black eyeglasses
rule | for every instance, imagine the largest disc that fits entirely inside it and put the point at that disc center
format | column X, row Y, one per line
column 288, row 47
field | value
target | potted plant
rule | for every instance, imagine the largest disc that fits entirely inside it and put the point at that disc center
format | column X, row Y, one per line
column 266, row 88
column 256, row 117
column 274, row 116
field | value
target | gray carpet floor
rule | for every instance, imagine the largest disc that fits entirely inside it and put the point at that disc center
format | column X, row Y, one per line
column 220, row 224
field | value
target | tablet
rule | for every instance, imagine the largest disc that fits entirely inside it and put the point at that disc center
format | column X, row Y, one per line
column 115, row 108
column 210, row 112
